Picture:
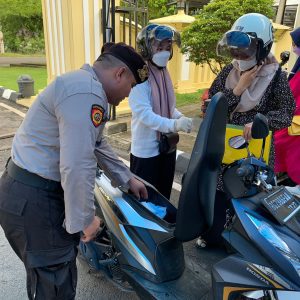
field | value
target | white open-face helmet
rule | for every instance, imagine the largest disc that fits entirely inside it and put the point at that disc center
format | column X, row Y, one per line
column 250, row 36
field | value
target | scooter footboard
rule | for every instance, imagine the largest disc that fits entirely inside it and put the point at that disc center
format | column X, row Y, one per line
column 193, row 284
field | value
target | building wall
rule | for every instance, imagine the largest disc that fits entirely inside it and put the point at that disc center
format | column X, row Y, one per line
column 73, row 36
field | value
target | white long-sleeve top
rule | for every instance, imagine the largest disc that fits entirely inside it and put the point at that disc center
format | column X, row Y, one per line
column 145, row 123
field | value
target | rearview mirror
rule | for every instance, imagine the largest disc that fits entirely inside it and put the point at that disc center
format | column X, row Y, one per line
column 237, row 142
column 284, row 56
column 260, row 127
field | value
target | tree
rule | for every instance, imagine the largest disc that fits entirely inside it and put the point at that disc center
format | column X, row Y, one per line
column 24, row 8
column 22, row 25
column 159, row 8
column 199, row 40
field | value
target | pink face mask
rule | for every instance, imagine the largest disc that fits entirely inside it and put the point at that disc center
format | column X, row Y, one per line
column 296, row 50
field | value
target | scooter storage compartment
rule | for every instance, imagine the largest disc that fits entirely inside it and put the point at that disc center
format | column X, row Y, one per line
column 157, row 201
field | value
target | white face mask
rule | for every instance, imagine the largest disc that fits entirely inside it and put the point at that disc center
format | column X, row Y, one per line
column 296, row 50
column 245, row 65
column 161, row 58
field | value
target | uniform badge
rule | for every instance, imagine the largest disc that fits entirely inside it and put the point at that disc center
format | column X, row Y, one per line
column 97, row 113
column 143, row 73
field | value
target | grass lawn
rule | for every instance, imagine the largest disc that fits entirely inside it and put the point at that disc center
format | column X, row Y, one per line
column 185, row 99
column 9, row 76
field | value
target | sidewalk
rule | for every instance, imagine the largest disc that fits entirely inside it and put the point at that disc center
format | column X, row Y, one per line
column 23, row 60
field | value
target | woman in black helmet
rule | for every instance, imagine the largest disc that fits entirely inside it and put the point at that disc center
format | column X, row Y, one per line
column 154, row 112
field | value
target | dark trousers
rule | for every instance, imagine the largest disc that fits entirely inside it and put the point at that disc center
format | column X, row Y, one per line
column 32, row 220
column 158, row 170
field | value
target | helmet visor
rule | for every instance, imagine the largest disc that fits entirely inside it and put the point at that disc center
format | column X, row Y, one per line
column 238, row 45
column 161, row 33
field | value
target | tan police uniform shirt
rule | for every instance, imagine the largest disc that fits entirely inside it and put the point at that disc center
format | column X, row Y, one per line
column 61, row 139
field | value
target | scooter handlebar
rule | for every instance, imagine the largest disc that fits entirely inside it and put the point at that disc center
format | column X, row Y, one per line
column 245, row 171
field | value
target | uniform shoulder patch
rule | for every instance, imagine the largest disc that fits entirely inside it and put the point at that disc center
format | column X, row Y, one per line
column 97, row 113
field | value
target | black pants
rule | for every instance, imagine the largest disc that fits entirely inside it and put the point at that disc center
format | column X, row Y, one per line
column 32, row 220
column 158, row 170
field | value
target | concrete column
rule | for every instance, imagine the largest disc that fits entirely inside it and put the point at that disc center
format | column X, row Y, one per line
column 280, row 11
column 1, row 43
column 73, row 34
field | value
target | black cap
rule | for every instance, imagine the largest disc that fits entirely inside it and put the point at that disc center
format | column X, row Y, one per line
column 131, row 58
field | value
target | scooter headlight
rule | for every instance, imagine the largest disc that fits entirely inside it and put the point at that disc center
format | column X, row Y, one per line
column 272, row 237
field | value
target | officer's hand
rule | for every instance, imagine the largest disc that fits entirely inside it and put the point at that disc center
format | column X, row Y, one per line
column 90, row 232
column 138, row 188
column 183, row 124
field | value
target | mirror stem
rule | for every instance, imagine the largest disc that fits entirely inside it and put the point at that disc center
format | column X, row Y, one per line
column 263, row 149
column 247, row 148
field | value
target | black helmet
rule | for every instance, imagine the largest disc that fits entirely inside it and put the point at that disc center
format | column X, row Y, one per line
column 155, row 32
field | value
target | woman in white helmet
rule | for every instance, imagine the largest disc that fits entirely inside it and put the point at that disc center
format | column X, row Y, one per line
column 154, row 112
column 252, row 83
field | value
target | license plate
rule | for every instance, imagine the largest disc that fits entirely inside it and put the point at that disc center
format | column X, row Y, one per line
column 282, row 205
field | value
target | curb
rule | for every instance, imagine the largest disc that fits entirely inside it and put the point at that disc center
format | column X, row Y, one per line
column 9, row 94
column 182, row 161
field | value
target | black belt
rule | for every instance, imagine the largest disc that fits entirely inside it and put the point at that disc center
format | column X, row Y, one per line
column 31, row 179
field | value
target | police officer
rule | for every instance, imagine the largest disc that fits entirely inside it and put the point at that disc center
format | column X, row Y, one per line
column 46, row 191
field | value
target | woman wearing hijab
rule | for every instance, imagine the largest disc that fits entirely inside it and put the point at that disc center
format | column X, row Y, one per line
column 288, row 146
column 153, row 110
column 252, row 83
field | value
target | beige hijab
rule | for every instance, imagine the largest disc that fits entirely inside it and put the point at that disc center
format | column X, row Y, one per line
column 162, row 92
column 254, row 93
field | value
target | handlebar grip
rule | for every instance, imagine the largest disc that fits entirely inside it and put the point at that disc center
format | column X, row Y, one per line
column 244, row 171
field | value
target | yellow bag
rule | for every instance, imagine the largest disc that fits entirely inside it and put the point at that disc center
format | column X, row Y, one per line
column 294, row 129
column 232, row 155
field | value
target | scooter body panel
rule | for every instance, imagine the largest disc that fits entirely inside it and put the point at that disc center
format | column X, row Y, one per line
column 266, row 243
column 234, row 274
column 145, row 242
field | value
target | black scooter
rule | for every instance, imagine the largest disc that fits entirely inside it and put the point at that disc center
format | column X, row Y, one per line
column 141, row 242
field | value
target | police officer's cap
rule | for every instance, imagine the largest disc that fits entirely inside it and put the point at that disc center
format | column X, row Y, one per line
column 131, row 58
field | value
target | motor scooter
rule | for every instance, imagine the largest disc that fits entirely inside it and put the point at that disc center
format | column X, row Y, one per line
column 141, row 241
